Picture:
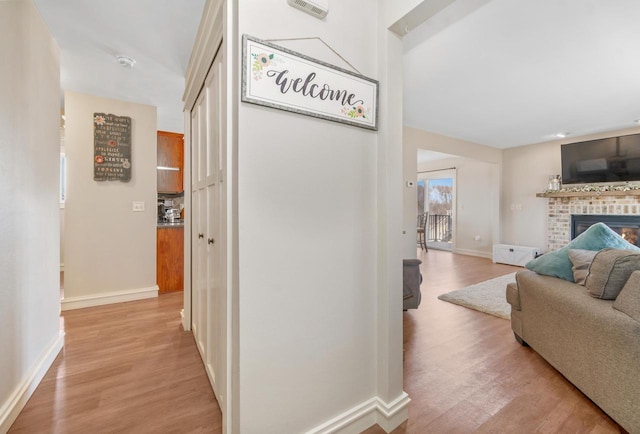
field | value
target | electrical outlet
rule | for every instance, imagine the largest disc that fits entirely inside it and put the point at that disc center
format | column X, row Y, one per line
column 138, row 206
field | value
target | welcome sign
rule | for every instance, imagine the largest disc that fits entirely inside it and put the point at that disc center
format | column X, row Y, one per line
column 280, row 78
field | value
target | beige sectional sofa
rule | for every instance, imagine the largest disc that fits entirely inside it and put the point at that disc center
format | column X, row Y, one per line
column 594, row 343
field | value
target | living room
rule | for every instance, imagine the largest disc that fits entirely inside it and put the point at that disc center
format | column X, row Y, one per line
column 565, row 73
column 506, row 105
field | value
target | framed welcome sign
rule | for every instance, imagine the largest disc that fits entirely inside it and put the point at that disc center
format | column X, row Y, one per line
column 276, row 77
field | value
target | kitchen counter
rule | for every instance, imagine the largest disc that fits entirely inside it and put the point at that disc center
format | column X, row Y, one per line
column 176, row 224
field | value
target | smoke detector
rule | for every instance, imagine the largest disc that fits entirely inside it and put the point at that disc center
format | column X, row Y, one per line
column 317, row 8
column 125, row 61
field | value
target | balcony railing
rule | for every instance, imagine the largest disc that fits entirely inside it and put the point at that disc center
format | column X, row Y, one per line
column 439, row 228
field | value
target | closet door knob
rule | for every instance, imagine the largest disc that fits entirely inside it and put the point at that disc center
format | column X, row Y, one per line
column 211, row 241
column 200, row 235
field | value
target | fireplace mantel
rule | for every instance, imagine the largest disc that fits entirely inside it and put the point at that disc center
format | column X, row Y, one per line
column 561, row 194
column 562, row 205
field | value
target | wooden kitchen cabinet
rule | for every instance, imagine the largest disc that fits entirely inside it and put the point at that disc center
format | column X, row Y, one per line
column 170, row 259
column 170, row 162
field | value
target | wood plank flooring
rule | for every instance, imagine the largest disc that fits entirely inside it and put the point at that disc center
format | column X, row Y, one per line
column 465, row 373
column 129, row 368
column 125, row 368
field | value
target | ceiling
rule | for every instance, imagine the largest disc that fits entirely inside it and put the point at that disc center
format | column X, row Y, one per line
column 501, row 73
column 425, row 156
column 506, row 73
column 158, row 35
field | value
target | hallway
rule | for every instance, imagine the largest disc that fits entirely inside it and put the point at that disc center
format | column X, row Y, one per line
column 125, row 368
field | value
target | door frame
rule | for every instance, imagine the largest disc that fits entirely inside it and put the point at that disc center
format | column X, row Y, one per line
column 444, row 174
column 212, row 39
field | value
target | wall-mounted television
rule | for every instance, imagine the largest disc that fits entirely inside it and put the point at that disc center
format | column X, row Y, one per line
column 615, row 159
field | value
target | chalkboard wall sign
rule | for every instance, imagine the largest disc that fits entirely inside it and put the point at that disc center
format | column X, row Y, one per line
column 111, row 147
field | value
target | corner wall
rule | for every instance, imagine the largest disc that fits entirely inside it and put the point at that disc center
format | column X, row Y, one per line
column 110, row 251
column 30, row 232
column 311, row 229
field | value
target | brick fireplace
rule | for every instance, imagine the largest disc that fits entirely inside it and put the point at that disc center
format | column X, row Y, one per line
column 562, row 207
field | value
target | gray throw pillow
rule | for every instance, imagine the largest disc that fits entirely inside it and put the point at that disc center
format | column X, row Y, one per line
column 581, row 260
column 609, row 272
column 628, row 300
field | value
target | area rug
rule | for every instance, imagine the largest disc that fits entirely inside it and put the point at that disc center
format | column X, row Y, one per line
column 488, row 296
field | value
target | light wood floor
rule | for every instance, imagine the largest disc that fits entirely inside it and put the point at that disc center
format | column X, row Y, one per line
column 125, row 368
column 465, row 373
column 129, row 368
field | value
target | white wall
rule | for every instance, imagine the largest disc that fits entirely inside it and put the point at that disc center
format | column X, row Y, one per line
column 108, row 247
column 526, row 171
column 308, row 240
column 409, row 195
column 62, row 208
column 29, row 258
column 477, row 189
column 476, row 203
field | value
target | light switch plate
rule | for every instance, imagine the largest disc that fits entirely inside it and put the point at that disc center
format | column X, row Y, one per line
column 138, row 205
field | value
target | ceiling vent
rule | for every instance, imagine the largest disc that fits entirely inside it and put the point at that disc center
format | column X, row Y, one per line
column 317, row 8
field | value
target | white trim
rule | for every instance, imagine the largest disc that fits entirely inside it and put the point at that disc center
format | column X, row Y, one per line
column 231, row 88
column 62, row 266
column 478, row 253
column 70, row 303
column 205, row 47
column 18, row 399
column 388, row 415
column 391, row 415
column 186, row 173
column 440, row 245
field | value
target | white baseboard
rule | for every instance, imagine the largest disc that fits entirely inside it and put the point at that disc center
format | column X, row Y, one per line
column 183, row 321
column 388, row 415
column 69, row 303
column 478, row 253
column 392, row 414
column 16, row 402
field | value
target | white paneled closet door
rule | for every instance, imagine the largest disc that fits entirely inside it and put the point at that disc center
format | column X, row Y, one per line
column 208, row 242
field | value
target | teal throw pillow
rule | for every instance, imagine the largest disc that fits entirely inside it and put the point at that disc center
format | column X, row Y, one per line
column 599, row 236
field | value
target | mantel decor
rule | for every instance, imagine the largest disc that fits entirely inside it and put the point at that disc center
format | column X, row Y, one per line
column 276, row 77
column 111, row 147
column 594, row 190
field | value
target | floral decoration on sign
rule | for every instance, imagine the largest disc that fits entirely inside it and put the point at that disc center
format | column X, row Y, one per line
column 99, row 120
column 261, row 61
column 356, row 112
